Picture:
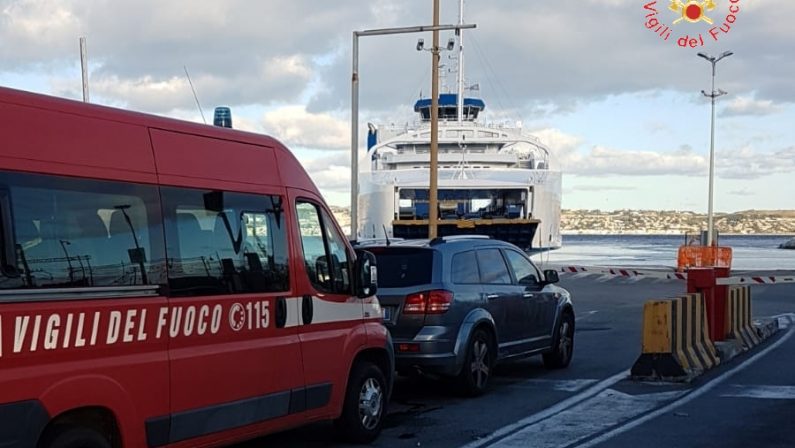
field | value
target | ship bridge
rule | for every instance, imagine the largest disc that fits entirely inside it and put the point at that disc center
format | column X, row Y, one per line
column 448, row 107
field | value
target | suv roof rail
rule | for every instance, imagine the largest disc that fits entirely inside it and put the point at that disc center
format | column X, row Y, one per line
column 444, row 239
column 373, row 241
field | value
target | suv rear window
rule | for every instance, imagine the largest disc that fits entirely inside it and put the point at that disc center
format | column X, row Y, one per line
column 399, row 267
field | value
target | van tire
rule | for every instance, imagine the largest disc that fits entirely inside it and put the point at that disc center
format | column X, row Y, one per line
column 563, row 347
column 365, row 405
column 478, row 364
column 75, row 437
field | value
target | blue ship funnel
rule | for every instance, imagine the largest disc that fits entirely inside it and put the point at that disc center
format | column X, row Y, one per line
column 372, row 135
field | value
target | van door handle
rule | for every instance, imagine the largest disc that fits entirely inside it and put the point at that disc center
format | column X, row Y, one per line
column 281, row 312
column 492, row 296
column 528, row 295
column 307, row 311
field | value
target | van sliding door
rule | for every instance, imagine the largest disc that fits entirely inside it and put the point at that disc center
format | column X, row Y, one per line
column 235, row 357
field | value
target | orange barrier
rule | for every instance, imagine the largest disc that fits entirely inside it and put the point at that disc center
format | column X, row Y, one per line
column 704, row 257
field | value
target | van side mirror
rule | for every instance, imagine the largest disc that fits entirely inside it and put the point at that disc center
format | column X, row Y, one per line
column 366, row 274
column 551, row 276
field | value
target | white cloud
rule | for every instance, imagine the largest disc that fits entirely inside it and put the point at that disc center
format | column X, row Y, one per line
column 562, row 145
column 332, row 174
column 569, row 156
column 603, row 188
column 746, row 105
column 748, row 163
column 602, row 161
column 145, row 93
column 297, row 127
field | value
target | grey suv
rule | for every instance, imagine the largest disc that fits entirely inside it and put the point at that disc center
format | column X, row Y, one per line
column 457, row 305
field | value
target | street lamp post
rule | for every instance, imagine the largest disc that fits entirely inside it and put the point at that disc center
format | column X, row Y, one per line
column 712, row 95
column 355, row 103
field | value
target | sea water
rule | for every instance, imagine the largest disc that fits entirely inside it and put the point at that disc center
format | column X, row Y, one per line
column 749, row 252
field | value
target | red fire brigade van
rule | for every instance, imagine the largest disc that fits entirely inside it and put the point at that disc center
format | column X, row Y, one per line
column 164, row 283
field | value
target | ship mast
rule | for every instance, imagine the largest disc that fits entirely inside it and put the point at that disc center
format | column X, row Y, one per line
column 460, row 33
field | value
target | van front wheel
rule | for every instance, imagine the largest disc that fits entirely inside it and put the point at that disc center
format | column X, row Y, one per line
column 365, row 404
column 75, row 437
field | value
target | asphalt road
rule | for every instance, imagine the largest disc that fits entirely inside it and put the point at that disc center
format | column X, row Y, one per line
column 590, row 404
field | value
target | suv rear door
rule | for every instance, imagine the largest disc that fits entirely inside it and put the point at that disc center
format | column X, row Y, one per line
column 403, row 271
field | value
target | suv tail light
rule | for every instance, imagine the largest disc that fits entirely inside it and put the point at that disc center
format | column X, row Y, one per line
column 428, row 302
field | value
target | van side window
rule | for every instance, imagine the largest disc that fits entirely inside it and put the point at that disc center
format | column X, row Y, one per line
column 492, row 267
column 64, row 232
column 224, row 243
column 325, row 254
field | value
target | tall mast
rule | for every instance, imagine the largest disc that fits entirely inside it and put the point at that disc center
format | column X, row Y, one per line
column 460, row 33
column 84, row 67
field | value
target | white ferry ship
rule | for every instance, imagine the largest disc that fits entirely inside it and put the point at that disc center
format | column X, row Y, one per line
column 494, row 180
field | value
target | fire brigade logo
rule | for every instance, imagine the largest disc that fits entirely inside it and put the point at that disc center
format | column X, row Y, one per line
column 704, row 20
column 237, row 317
column 692, row 11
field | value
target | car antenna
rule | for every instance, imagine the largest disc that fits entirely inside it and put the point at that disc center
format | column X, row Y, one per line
column 196, row 97
column 386, row 236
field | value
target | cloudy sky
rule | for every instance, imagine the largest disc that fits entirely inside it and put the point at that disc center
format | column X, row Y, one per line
column 619, row 105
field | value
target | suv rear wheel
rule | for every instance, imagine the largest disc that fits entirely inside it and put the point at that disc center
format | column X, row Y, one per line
column 475, row 374
column 563, row 348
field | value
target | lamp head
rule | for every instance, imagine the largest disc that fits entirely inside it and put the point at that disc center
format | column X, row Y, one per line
column 450, row 44
column 420, row 44
column 725, row 54
column 705, row 56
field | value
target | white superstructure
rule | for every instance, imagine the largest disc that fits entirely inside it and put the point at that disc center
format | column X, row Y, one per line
column 489, row 177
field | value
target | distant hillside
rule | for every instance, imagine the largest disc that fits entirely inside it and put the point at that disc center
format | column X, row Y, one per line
column 656, row 222
column 343, row 217
column 677, row 222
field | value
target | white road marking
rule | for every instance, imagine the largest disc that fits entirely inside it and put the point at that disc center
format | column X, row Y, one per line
column 592, row 416
column 785, row 320
column 599, row 408
column 687, row 398
column 550, row 411
column 763, row 392
column 559, row 385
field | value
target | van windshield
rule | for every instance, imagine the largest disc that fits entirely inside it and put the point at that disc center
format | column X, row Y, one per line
column 400, row 267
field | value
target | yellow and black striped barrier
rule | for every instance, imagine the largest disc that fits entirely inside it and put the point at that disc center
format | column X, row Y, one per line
column 738, row 317
column 676, row 344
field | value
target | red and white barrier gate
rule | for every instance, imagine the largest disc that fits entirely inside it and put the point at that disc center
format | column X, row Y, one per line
column 620, row 272
column 756, row 280
column 711, row 283
column 671, row 275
